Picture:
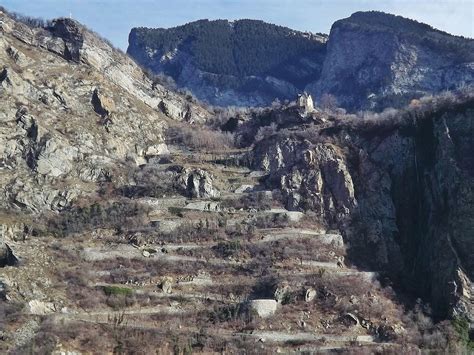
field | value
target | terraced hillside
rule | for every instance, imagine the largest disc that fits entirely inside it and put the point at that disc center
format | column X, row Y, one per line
column 134, row 220
column 193, row 276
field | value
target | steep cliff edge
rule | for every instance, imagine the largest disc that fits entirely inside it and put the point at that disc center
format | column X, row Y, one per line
column 401, row 189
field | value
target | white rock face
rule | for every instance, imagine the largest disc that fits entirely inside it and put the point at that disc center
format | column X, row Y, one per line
column 157, row 149
column 41, row 308
column 244, row 188
column 56, row 159
column 264, row 308
column 197, row 183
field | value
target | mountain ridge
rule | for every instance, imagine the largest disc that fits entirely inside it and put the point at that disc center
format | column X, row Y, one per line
column 384, row 46
column 246, row 57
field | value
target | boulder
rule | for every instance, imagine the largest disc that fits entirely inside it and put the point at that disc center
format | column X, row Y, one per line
column 281, row 293
column 172, row 110
column 156, row 149
column 350, row 320
column 55, row 158
column 72, row 34
column 263, row 308
column 13, row 232
column 167, row 284
column 310, row 294
column 103, row 105
column 244, row 188
column 197, row 183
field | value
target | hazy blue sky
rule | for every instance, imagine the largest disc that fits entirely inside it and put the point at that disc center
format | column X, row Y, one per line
column 114, row 18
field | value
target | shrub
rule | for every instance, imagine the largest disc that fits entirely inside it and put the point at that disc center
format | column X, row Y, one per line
column 461, row 326
column 227, row 249
column 107, row 215
column 117, row 291
column 33, row 22
column 200, row 138
column 259, row 201
column 248, row 47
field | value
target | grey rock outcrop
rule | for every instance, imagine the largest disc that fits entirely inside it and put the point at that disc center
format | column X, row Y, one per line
column 41, row 308
column 310, row 294
column 53, row 147
column 263, row 308
column 282, row 292
column 310, row 176
column 103, row 105
column 167, row 285
column 197, row 183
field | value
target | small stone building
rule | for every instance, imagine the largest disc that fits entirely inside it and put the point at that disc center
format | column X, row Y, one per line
column 305, row 102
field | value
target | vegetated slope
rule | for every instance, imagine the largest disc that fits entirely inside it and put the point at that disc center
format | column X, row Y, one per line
column 245, row 62
column 377, row 60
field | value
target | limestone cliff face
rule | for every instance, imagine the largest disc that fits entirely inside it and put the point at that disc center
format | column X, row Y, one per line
column 242, row 63
column 402, row 194
column 375, row 60
column 74, row 110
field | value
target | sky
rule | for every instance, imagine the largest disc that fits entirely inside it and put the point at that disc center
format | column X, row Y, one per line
column 113, row 19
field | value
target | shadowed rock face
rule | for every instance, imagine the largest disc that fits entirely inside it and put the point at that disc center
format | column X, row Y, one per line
column 403, row 196
column 71, row 33
column 7, row 258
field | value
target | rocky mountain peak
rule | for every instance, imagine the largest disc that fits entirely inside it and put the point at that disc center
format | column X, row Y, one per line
column 375, row 60
column 68, row 29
